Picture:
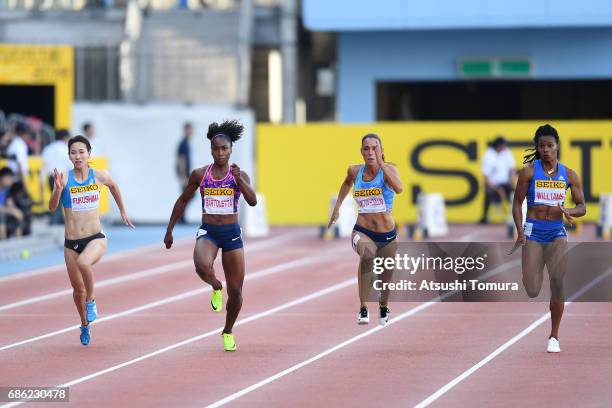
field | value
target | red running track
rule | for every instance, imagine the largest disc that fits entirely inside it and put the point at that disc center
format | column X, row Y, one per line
column 157, row 343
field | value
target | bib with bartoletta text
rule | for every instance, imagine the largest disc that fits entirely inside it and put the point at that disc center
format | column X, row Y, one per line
column 218, row 200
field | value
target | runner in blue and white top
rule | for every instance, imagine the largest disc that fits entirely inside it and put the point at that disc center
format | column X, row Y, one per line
column 85, row 242
column 544, row 182
column 375, row 184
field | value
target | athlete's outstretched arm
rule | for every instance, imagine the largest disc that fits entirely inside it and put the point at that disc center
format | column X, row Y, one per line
column 345, row 188
column 59, row 183
column 104, row 177
column 244, row 184
column 522, row 186
column 179, row 206
column 577, row 196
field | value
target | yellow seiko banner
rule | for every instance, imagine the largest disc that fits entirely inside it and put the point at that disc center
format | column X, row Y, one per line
column 300, row 167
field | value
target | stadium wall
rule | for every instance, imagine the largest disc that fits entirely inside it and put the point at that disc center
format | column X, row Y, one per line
column 365, row 57
column 346, row 15
column 140, row 143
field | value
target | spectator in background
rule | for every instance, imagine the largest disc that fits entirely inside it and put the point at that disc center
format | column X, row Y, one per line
column 5, row 140
column 183, row 160
column 17, row 152
column 18, row 194
column 89, row 132
column 498, row 169
column 32, row 139
column 55, row 156
column 11, row 217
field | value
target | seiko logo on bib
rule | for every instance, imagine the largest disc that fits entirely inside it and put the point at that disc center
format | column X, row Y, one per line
column 368, row 192
column 219, row 191
column 550, row 184
column 83, row 189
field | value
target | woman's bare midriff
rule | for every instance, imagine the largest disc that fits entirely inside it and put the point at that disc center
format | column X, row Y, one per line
column 544, row 212
column 81, row 224
column 219, row 219
column 377, row 222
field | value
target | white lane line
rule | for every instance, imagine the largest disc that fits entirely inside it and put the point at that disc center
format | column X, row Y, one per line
column 499, row 269
column 62, row 267
column 310, row 260
column 127, row 253
column 103, row 283
column 137, row 275
column 319, row 356
column 215, row 332
column 447, row 387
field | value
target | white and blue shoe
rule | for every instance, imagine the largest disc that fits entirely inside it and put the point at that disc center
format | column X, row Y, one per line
column 553, row 345
column 85, row 335
column 92, row 311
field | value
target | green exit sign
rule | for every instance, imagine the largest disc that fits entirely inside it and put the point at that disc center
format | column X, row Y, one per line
column 495, row 68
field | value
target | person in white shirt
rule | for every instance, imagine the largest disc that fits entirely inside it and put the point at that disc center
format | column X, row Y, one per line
column 498, row 169
column 55, row 156
column 88, row 132
column 17, row 153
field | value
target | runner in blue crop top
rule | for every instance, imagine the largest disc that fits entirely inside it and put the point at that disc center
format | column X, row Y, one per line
column 375, row 184
column 85, row 242
column 544, row 182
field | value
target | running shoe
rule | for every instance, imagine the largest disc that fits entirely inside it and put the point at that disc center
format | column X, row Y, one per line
column 228, row 342
column 92, row 311
column 383, row 316
column 364, row 316
column 216, row 300
column 85, row 335
column 553, row 345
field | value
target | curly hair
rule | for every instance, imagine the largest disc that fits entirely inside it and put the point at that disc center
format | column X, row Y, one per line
column 230, row 129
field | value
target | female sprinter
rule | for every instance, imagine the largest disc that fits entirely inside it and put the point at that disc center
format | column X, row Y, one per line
column 220, row 186
column 85, row 243
column 545, row 181
column 375, row 184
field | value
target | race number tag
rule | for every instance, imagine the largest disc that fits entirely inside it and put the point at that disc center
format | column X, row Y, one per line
column 370, row 200
column 85, row 198
column 219, row 200
column 550, row 192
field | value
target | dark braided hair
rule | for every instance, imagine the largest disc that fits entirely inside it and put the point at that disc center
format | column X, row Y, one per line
column 229, row 129
column 544, row 130
column 373, row 136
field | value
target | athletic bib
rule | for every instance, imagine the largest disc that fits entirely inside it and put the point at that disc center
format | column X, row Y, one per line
column 549, row 192
column 219, row 200
column 85, row 198
column 370, row 200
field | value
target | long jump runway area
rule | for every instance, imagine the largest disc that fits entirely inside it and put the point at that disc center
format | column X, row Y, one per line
column 157, row 343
